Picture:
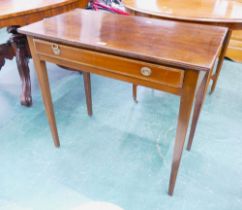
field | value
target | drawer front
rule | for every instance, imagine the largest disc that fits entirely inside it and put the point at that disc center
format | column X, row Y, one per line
column 115, row 64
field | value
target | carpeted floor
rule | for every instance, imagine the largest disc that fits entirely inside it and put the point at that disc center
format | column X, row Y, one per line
column 122, row 155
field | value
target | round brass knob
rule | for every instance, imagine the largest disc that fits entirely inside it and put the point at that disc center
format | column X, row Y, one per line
column 146, row 71
column 55, row 48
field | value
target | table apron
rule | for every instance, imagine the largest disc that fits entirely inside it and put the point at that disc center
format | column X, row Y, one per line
column 130, row 70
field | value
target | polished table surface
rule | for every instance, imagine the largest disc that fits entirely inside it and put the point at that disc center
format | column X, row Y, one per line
column 227, row 13
column 15, row 13
column 16, row 7
column 157, row 54
column 210, row 11
column 21, row 12
column 174, row 49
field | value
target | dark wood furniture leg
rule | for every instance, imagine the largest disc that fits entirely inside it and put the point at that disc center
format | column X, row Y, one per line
column 200, row 98
column 20, row 46
column 186, row 102
column 135, row 93
column 41, row 71
column 88, row 92
column 220, row 61
column 87, row 86
column 6, row 52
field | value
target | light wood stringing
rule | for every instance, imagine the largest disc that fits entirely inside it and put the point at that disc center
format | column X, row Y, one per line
column 160, row 74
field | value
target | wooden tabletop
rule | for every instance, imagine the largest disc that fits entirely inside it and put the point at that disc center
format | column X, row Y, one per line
column 9, row 8
column 22, row 12
column 182, row 45
column 225, row 11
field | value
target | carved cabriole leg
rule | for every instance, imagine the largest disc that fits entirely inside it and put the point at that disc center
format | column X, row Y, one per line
column 88, row 92
column 20, row 46
column 220, row 61
column 186, row 102
column 41, row 71
column 6, row 52
column 200, row 98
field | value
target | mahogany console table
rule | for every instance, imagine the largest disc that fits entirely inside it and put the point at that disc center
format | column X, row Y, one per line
column 177, row 64
column 227, row 13
column 14, row 14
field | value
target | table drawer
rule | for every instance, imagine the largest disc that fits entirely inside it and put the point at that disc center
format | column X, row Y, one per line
column 120, row 65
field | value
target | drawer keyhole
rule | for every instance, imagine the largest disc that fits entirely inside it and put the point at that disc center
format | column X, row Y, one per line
column 146, row 71
column 55, row 48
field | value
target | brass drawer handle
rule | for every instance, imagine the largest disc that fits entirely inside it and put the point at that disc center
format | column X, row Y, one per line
column 55, row 48
column 146, row 71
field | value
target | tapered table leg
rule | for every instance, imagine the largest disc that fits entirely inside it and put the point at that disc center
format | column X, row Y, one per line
column 87, row 86
column 41, row 71
column 88, row 92
column 135, row 93
column 220, row 61
column 186, row 102
column 200, row 98
column 46, row 94
column 20, row 46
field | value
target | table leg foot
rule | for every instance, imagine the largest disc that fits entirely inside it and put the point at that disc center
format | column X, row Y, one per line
column 20, row 46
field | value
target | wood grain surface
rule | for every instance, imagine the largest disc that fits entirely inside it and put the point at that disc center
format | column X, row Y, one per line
column 97, row 31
